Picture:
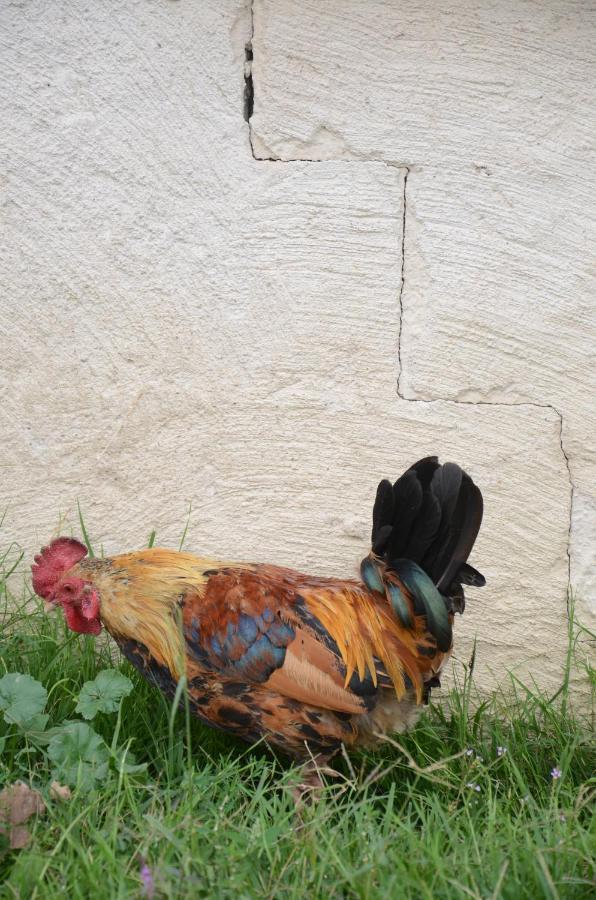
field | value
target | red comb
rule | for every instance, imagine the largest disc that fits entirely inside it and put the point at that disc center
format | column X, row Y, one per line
column 53, row 561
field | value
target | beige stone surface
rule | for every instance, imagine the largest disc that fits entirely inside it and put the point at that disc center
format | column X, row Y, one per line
column 423, row 82
column 491, row 107
column 499, row 306
column 183, row 324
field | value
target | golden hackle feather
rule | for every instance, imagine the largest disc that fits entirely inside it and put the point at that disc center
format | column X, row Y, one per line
column 363, row 628
column 140, row 593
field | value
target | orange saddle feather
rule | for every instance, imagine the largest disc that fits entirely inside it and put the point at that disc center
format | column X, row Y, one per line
column 277, row 636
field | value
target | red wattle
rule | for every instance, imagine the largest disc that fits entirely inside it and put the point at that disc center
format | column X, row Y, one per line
column 77, row 622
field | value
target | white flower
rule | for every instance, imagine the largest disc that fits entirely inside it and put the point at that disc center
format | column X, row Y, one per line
column 501, row 751
column 473, row 786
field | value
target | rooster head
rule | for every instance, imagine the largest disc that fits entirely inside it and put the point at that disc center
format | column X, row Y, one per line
column 54, row 580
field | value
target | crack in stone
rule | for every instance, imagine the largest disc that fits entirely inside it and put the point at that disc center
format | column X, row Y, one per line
column 249, row 93
column 249, row 86
column 402, row 280
column 571, row 499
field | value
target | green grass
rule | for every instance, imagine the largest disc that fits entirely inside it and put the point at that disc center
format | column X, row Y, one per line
column 214, row 818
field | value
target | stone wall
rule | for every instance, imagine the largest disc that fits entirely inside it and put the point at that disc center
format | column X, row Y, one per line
column 393, row 257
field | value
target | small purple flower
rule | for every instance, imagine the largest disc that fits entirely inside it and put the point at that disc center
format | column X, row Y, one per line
column 147, row 879
column 555, row 773
column 501, row 751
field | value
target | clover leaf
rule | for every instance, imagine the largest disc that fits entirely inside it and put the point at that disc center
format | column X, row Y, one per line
column 80, row 756
column 103, row 694
column 22, row 700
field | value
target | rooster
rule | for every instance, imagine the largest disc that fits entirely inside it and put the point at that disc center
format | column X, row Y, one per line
column 306, row 663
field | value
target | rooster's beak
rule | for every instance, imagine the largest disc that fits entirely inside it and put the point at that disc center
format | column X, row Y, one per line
column 49, row 606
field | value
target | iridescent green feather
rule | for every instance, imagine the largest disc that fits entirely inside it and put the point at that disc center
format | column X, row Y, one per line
column 373, row 579
column 400, row 605
column 421, row 587
column 371, row 576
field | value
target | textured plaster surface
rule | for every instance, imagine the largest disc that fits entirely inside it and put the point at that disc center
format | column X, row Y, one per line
column 423, row 82
column 500, row 306
column 491, row 108
column 185, row 324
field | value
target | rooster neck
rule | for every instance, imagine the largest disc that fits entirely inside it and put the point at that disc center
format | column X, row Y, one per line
column 141, row 595
column 140, row 599
column 93, row 566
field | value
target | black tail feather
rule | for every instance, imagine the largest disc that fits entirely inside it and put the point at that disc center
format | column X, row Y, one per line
column 469, row 575
column 407, row 499
column 431, row 516
column 465, row 525
column 425, row 528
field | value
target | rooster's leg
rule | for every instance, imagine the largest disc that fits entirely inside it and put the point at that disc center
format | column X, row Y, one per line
column 311, row 783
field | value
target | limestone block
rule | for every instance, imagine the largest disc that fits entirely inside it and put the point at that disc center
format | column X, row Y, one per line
column 113, row 373
column 312, row 476
column 418, row 83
